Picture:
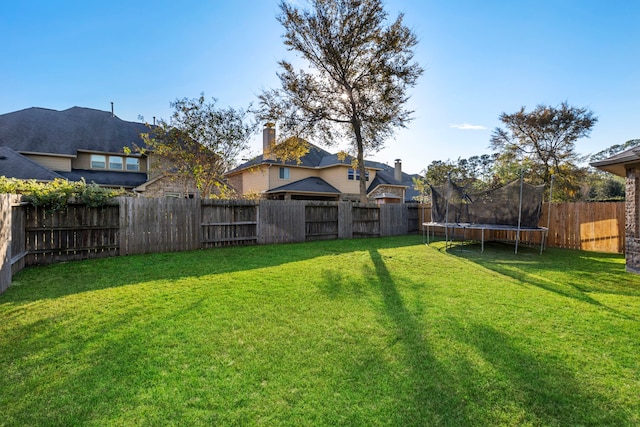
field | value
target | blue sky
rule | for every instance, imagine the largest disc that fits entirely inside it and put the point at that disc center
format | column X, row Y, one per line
column 481, row 58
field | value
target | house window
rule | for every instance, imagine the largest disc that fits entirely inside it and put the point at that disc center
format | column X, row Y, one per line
column 284, row 173
column 354, row 174
column 133, row 164
column 115, row 163
column 98, row 161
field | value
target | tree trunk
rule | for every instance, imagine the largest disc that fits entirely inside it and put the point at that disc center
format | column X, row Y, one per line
column 361, row 169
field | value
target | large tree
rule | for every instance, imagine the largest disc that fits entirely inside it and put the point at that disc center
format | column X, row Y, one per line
column 200, row 142
column 356, row 77
column 543, row 142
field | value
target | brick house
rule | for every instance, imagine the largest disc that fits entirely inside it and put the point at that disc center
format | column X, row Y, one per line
column 627, row 165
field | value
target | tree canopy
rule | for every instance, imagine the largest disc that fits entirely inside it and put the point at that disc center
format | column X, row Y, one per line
column 355, row 82
column 543, row 142
column 200, row 142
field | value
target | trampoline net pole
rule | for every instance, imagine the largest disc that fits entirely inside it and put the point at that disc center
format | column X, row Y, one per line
column 519, row 209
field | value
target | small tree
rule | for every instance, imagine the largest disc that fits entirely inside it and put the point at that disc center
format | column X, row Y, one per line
column 355, row 85
column 200, row 142
column 543, row 141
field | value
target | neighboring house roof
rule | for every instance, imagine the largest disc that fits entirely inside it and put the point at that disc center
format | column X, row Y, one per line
column 110, row 179
column 315, row 158
column 41, row 130
column 617, row 163
column 312, row 184
column 386, row 176
column 15, row 165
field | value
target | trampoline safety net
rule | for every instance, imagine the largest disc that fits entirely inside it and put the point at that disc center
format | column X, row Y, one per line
column 499, row 206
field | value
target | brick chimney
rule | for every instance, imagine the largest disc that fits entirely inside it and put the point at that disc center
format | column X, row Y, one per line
column 397, row 173
column 268, row 139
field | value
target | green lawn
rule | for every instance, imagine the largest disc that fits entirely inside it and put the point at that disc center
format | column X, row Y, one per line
column 360, row 332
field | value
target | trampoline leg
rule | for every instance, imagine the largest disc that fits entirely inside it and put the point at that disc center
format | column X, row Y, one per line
column 482, row 251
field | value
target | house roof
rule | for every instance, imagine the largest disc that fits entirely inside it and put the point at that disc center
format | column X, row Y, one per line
column 41, row 130
column 110, row 179
column 386, row 176
column 617, row 163
column 15, row 165
column 312, row 184
column 315, row 158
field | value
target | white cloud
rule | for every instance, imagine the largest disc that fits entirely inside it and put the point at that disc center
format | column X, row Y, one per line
column 467, row 126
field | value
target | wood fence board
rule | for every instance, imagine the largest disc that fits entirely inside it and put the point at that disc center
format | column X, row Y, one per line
column 141, row 225
column 280, row 222
column 5, row 241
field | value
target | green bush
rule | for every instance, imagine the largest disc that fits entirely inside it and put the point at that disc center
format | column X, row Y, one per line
column 55, row 195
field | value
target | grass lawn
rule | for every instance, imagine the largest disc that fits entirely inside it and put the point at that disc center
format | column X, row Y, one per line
column 356, row 332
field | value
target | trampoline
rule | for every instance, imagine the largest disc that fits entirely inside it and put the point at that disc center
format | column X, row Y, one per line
column 515, row 207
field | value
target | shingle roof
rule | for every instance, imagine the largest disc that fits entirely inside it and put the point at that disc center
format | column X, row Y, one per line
column 111, row 179
column 315, row 158
column 312, row 184
column 616, row 163
column 15, row 165
column 41, row 130
column 386, row 176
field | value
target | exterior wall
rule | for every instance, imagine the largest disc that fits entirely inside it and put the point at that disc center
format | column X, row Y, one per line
column 337, row 176
column 255, row 180
column 236, row 183
column 55, row 163
column 170, row 187
column 83, row 161
column 632, row 235
column 265, row 177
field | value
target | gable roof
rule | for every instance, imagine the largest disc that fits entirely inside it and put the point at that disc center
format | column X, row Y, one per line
column 386, row 176
column 15, row 165
column 312, row 184
column 315, row 158
column 41, row 130
column 616, row 164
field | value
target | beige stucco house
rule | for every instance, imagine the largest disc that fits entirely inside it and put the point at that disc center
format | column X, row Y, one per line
column 318, row 175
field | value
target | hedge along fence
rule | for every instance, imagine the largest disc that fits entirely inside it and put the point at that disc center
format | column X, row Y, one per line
column 145, row 225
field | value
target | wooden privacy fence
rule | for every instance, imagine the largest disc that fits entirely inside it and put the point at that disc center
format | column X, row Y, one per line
column 597, row 227
column 29, row 235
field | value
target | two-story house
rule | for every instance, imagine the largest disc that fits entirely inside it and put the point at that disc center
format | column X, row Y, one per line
column 318, row 175
column 81, row 143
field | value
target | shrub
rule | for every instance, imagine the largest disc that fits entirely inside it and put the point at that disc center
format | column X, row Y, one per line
column 55, row 195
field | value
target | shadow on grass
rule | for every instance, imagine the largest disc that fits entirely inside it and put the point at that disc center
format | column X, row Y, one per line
column 527, row 388
column 568, row 273
column 58, row 280
column 434, row 388
column 111, row 370
column 540, row 383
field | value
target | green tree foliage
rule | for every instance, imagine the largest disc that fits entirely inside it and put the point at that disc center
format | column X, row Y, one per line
column 542, row 142
column 614, row 149
column 354, row 86
column 200, row 142
column 55, row 195
column 601, row 185
column 474, row 172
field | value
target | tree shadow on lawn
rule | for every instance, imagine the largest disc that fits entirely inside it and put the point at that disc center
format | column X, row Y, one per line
column 568, row 273
column 59, row 280
column 538, row 388
column 540, row 383
column 99, row 373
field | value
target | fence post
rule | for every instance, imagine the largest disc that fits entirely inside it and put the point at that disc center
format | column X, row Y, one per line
column 345, row 220
column 5, row 242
